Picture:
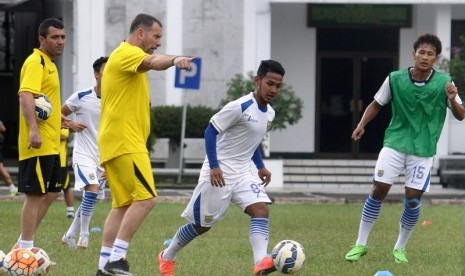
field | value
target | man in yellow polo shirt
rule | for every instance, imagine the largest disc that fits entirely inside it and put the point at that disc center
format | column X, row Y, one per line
column 123, row 133
column 39, row 141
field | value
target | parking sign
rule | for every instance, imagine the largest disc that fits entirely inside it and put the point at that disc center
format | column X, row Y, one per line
column 189, row 79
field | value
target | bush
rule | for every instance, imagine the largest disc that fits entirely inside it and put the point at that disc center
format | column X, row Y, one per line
column 167, row 122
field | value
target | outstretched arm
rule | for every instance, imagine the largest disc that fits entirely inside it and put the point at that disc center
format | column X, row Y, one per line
column 162, row 62
column 370, row 113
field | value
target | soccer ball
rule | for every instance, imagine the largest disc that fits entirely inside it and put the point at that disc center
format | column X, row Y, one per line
column 20, row 262
column 288, row 256
column 2, row 256
column 43, row 261
column 43, row 107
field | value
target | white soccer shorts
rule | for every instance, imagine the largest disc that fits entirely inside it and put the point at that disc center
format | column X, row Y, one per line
column 209, row 204
column 87, row 173
column 391, row 163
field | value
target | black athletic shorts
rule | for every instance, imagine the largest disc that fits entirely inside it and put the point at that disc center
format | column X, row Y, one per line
column 39, row 175
column 64, row 178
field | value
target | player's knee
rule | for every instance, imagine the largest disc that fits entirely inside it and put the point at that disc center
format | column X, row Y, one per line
column 201, row 229
column 412, row 203
column 258, row 210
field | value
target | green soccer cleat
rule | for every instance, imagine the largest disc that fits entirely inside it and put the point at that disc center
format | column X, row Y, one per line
column 400, row 256
column 356, row 252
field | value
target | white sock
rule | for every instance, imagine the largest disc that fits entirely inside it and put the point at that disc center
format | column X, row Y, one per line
column 404, row 236
column 119, row 250
column 75, row 225
column 25, row 244
column 183, row 237
column 70, row 210
column 258, row 237
column 105, row 252
column 87, row 209
column 370, row 213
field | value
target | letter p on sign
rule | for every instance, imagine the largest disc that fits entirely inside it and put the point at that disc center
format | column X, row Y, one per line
column 189, row 79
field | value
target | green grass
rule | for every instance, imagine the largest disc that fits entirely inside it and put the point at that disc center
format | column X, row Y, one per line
column 326, row 232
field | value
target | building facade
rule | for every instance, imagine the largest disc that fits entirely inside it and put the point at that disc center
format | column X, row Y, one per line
column 336, row 54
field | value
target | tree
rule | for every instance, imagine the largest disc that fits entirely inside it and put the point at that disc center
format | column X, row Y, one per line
column 456, row 66
column 287, row 105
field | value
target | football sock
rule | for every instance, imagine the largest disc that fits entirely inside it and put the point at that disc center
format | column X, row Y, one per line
column 184, row 236
column 25, row 244
column 75, row 225
column 370, row 214
column 87, row 208
column 258, row 236
column 408, row 220
column 119, row 250
column 105, row 252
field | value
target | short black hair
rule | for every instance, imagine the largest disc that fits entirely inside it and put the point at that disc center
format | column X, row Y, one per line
column 50, row 22
column 144, row 21
column 428, row 39
column 270, row 66
column 98, row 63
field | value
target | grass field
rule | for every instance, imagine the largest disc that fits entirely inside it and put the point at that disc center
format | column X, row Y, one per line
column 326, row 231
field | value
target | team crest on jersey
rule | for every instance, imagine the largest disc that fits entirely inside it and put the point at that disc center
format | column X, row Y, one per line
column 92, row 176
column 208, row 219
column 380, row 173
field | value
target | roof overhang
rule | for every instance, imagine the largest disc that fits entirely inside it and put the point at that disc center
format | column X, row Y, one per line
column 372, row 1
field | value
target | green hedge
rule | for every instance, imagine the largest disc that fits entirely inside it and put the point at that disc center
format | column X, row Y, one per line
column 167, row 122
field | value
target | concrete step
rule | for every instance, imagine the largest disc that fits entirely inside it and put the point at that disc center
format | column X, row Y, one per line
column 300, row 172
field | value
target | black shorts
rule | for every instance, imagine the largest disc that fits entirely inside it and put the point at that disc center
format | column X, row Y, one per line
column 64, row 178
column 39, row 175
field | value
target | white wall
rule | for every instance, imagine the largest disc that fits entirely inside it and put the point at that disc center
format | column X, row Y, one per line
column 293, row 44
column 88, row 34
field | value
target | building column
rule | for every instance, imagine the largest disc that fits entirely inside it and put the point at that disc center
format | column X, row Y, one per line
column 174, row 46
column 442, row 24
column 89, row 31
column 257, row 33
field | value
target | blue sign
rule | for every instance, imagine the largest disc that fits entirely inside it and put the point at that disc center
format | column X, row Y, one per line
column 189, row 79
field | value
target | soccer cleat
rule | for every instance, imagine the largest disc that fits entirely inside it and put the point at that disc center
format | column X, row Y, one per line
column 356, row 252
column 120, row 267
column 70, row 215
column 101, row 273
column 68, row 241
column 165, row 267
column 400, row 256
column 264, row 267
column 83, row 241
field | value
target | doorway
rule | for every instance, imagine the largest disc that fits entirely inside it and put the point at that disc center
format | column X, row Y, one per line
column 347, row 80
